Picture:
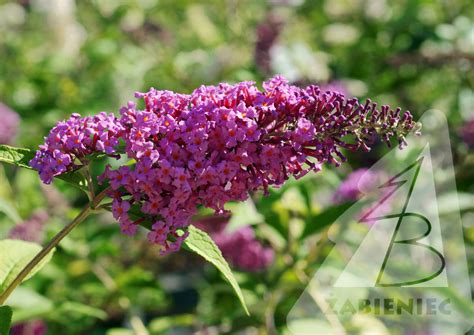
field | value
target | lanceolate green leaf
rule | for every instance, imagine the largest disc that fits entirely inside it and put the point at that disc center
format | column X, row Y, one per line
column 21, row 157
column 10, row 211
column 16, row 156
column 5, row 319
column 14, row 256
column 201, row 243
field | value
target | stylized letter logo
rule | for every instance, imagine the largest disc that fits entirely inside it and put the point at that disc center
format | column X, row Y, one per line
column 395, row 185
column 398, row 253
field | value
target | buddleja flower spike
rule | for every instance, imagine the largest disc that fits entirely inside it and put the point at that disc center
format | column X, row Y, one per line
column 213, row 146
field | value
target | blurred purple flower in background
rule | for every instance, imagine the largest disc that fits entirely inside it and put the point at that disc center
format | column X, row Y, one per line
column 32, row 229
column 353, row 187
column 8, row 125
column 239, row 247
column 242, row 249
column 212, row 224
column 56, row 203
column 34, row 327
column 335, row 86
column 267, row 34
column 467, row 133
column 364, row 182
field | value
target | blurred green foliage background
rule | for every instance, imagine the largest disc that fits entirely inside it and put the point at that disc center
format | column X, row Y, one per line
column 58, row 57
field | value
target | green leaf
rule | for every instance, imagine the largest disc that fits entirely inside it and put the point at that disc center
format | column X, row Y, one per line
column 316, row 223
column 167, row 323
column 6, row 191
column 202, row 244
column 5, row 319
column 10, row 211
column 16, row 156
column 309, row 326
column 75, row 178
column 120, row 331
column 21, row 157
column 78, row 308
column 27, row 304
column 269, row 207
column 14, row 256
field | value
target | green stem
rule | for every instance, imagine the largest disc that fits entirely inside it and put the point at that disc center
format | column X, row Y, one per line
column 90, row 186
column 51, row 245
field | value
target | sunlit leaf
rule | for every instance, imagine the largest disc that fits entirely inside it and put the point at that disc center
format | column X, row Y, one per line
column 201, row 243
column 78, row 308
column 27, row 304
column 16, row 156
column 9, row 211
column 14, row 256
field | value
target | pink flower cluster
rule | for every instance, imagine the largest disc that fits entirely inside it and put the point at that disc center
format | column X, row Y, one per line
column 70, row 142
column 214, row 146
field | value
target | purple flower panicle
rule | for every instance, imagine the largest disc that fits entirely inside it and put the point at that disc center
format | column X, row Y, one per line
column 214, row 146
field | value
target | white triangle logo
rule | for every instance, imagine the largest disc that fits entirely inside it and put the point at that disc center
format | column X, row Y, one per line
column 397, row 260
